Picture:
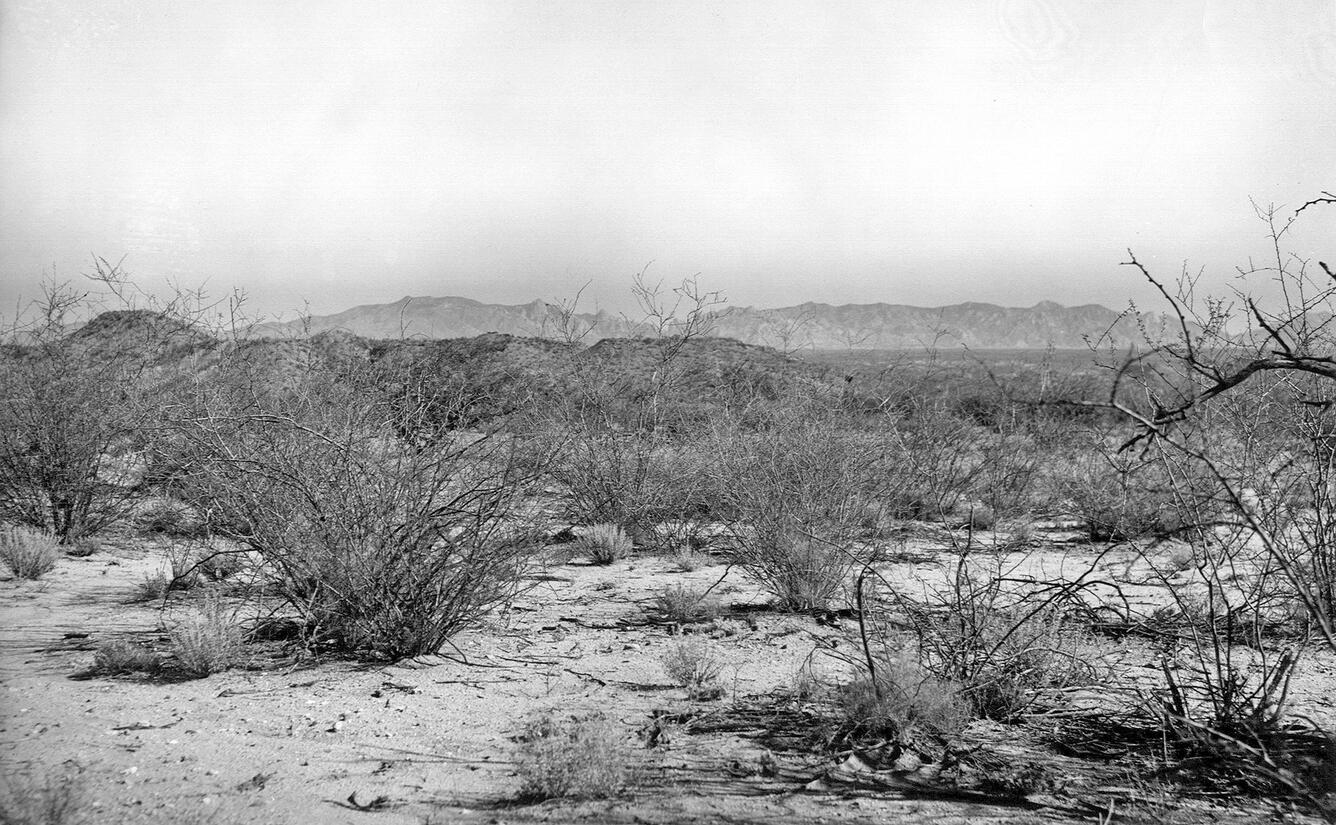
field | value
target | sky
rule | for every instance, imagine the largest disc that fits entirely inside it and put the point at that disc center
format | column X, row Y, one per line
column 321, row 155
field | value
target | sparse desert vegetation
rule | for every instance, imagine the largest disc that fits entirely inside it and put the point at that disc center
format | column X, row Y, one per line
column 561, row 578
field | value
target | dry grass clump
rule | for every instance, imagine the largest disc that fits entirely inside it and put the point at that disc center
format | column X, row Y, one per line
column 901, row 702
column 603, row 544
column 168, row 517
column 119, row 656
column 696, row 666
column 185, row 570
column 28, row 553
column 208, row 642
column 577, row 757
column 151, row 589
column 804, row 574
column 682, row 604
column 687, row 559
column 84, row 547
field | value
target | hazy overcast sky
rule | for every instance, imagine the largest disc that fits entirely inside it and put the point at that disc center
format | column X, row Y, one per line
column 848, row 152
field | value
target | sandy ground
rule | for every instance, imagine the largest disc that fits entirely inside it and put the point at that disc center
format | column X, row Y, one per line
column 432, row 740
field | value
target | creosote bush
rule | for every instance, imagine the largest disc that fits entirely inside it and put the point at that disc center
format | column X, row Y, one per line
column 28, row 553
column 799, row 494
column 576, row 757
column 386, row 536
column 603, row 544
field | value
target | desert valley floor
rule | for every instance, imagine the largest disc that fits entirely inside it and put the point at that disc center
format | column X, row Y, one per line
column 431, row 740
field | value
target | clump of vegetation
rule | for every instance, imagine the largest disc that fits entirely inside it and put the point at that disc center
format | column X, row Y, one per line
column 386, row 533
column 152, row 589
column 28, row 553
column 687, row 559
column 803, row 573
column 119, row 656
column 575, row 757
column 185, row 569
column 603, row 544
column 84, row 547
column 900, row 702
column 800, row 493
column 696, row 666
column 1005, row 646
column 169, row 517
column 979, row 517
column 209, row 641
column 682, row 604
column 220, row 565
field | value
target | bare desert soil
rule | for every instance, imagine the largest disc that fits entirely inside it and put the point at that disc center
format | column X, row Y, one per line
column 331, row 741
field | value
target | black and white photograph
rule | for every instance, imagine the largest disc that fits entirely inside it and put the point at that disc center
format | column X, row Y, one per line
column 615, row 411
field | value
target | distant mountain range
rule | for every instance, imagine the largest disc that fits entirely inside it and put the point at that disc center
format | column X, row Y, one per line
column 806, row 326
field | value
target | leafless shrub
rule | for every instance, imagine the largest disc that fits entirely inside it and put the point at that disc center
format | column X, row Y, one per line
column 799, row 494
column 578, row 757
column 73, row 411
column 1120, row 497
column 1004, row 642
column 930, row 461
column 28, row 553
column 1237, row 392
column 383, row 546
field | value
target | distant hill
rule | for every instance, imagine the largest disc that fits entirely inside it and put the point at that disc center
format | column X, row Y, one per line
column 806, row 326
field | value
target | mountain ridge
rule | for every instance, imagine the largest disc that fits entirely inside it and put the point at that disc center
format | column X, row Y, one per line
column 810, row 325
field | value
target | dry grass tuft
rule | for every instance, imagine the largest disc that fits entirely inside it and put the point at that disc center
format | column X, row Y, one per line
column 696, row 666
column 208, row 642
column 151, row 589
column 28, row 553
column 119, row 656
column 578, row 757
column 603, row 544
column 681, row 604
column 901, row 702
